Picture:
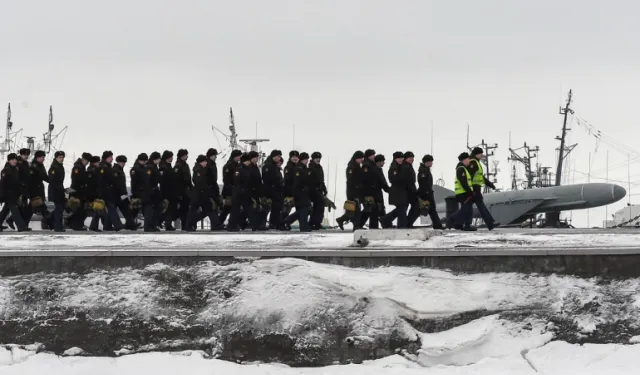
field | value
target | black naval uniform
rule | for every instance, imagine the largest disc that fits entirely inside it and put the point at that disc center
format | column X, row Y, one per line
column 120, row 189
column 302, row 179
column 95, row 191
column 380, row 184
column 254, row 215
column 398, row 196
column 241, row 196
column 79, row 185
column 24, row 175
column 184, row 184
column 318, row 191
column 287, row 216
column 228, row 178
column 425, row 192
column 273, row 187
column 107, row 182
column 168, row 193
column 57, row 194
column 355, row 192
column 38, row 176
column 138, row 185
column 201, row 199
column 152, row 200
column 10, row 191
column 369, row 183
column 409, row 174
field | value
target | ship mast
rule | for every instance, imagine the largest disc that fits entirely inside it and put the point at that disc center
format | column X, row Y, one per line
column 7, row 146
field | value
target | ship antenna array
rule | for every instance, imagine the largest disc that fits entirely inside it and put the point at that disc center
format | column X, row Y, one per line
column 491, row 169
column 51, row 141
column 526, row 159
column 553, row 218
column 9, row 142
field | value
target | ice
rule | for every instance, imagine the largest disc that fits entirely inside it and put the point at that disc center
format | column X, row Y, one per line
column 197, row 364
column 481, row 338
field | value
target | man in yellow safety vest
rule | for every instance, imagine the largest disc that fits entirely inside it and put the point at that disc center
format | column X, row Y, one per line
column 464, row 195
column 478, row 180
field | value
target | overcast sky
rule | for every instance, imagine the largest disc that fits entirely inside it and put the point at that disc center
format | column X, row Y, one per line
column 139, row 76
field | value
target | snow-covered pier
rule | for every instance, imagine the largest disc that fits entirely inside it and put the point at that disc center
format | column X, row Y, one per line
column 583, row 252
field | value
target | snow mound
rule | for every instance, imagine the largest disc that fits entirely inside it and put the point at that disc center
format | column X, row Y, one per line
column 305, row 313
column 481, row 338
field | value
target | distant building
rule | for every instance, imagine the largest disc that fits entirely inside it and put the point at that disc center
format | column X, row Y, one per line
column 624, row 215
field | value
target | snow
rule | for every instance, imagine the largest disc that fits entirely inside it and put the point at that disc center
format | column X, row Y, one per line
column 482, row 338
column 198, row 364
column 293, row 295
column 277, row 241
column 554, row 358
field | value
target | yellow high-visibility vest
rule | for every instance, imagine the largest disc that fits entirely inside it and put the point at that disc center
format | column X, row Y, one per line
column 459, row 188
column 478, row 178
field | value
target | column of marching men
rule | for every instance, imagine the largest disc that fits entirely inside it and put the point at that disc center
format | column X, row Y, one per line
column 273, row 197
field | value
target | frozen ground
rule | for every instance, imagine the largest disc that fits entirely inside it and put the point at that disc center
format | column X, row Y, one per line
column 556, row 358
column 330, row 240
column 307, row 314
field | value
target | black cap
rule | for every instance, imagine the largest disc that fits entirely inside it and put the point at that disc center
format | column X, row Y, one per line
column 293, row 153
column 182, row 152
column 155, row 156
column 253, row 154
column 39, row 154
column 12, row 156
column 358, row 155
column 408, row 155
column 94, row 159
column 58, row 153
column 275, row 153
column 245, row 157
column 201, row 158
column 167, row 154
column 235, row 154
column 304, row 156
column 369, row 152
column 316, row 155
column 143, row 157
column 211, row 152
column 379, row 158
column 463, row 156
column 121, row 159
column 86, row 156
column 427, row 158
column 25, row 151
column 476, row 151
column 106, row 154
column 398, row 154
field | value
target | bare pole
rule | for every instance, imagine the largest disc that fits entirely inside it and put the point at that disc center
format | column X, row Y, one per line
column 629, row 180
column 563, row 111
column 431, row 150
column 589, row 181
column 606, row 208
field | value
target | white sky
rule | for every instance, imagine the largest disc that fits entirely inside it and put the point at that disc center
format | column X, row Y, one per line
column 139, row 76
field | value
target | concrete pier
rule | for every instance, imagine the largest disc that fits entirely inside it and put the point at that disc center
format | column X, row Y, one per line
column 607, row 253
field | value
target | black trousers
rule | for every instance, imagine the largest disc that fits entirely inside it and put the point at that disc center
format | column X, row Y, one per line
column 77, row 218
column 152, row 212
column 317, row 212
column 303, row 215
column 12, row 207
column 275, row 218
column 200, row 209
column 239, row 212
column 58, row 212
column 399, row 212
column 433, row 213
